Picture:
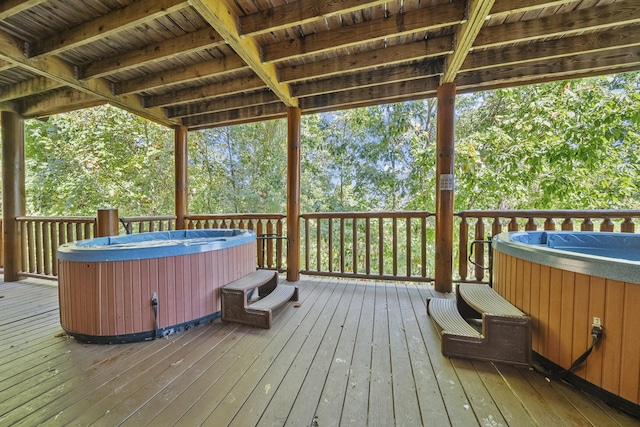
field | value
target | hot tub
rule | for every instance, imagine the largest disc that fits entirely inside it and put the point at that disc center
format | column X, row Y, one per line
column 564, row 280
column 141, row 286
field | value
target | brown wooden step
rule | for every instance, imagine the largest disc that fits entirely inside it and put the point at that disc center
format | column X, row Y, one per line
column 235, row 307
column 505, row 337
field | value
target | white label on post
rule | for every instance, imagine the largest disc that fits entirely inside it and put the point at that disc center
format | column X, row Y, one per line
column 447, row 182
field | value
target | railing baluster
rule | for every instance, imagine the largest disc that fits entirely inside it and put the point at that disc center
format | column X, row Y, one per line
column 496, row 226
column 531, row 225
column 319, row 246
column 307, row 248
column 380, row 246
column 408, row 222
column 463, row 244
column 354, row 245
column 627, row 226
column 567, row 224
column 367, row 261
column 479, row 255
column 549, row 224
column 46, row 247
column 39, row 267
column 330, row 222
column 395, row 245
column 279, row 245
column 31, row 267
column 342, row 246
column 587, row 225
column 423, row 246
column 513, row 224
column 270, row 262
column 606, row 225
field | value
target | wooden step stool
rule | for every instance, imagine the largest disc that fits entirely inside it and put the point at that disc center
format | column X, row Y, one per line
column 506, row 331
column 235, row 306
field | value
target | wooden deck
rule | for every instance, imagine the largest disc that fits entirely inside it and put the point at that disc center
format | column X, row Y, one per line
column 353, row 353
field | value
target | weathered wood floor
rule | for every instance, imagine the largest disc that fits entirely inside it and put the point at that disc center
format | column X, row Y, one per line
column 353, row 353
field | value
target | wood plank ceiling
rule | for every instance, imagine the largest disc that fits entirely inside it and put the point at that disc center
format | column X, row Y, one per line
column 206, row 63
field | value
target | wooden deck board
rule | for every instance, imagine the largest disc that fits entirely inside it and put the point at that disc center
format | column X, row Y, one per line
column 353, row 353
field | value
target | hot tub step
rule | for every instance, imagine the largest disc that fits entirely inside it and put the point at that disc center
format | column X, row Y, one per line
column 505, row 338
column 235, row 307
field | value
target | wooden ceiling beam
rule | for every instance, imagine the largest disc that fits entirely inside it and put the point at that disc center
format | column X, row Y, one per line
column 58, row 101
column 477, row 12
column 508, row 7
column 57, row 69
column 432, row 17
column 551, row 69
column 376, row 94
column 29, row 87
column 223, row 104
column 235, row 117
column 417, row 70
column 8, row 8
column 199, row 93
column 555, row 48
column 385, row 56
column 128, row 17
column 299, row 13
column 221, row 16
column 601, row 17
column 186, row 74
column 5, row 66
column 206, row 38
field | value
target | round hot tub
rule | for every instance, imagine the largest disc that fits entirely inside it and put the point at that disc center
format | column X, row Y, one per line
column 141, row 286
column 566, row 281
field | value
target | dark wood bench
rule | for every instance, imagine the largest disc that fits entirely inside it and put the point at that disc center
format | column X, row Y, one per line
column 506, row 331
column 235, row 304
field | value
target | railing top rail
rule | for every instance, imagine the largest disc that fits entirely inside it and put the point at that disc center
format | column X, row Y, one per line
column 381, row 214
column 562, row 213
column 75, row 219
column 148, row 218
column 237, row 216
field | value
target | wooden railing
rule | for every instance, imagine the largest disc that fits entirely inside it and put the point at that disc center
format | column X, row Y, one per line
column 145, row 224
column 270, row 230
column 381, row 245
column 43, row 235
column 490, row 223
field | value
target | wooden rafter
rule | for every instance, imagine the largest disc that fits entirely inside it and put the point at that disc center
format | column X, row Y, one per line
column 188, row 73
column 199, row 93
column 564, row 24
column 221, row 16
column 58, row 101
column 123, row 19
column 298, row 13
column 63, row 72
column 28, row 87
column 223, row 104
column 206, row 38
column 239, row 116
column 568, row 67
column 387, row 55
column 555, row 48
column 477, row 12
column 378, row 94
column 507, row 7
column 9, row 8
column 402, row 72
column 432, row 18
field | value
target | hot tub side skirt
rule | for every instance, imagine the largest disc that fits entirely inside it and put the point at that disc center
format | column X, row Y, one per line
column 562, row 305
column 113, row 298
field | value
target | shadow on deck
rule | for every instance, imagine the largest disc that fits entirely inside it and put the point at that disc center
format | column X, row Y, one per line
column 353, row 353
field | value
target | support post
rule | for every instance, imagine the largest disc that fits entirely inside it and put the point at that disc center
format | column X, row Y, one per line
column 107, row 223
column 13, row 191
column 445, row 188
column 181, row 159
column 293, row 194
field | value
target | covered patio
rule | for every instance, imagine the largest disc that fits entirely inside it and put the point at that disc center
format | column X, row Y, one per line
column 353, row 353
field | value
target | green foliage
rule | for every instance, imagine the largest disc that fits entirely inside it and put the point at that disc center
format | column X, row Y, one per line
column 101, row 157
column 562, row 145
